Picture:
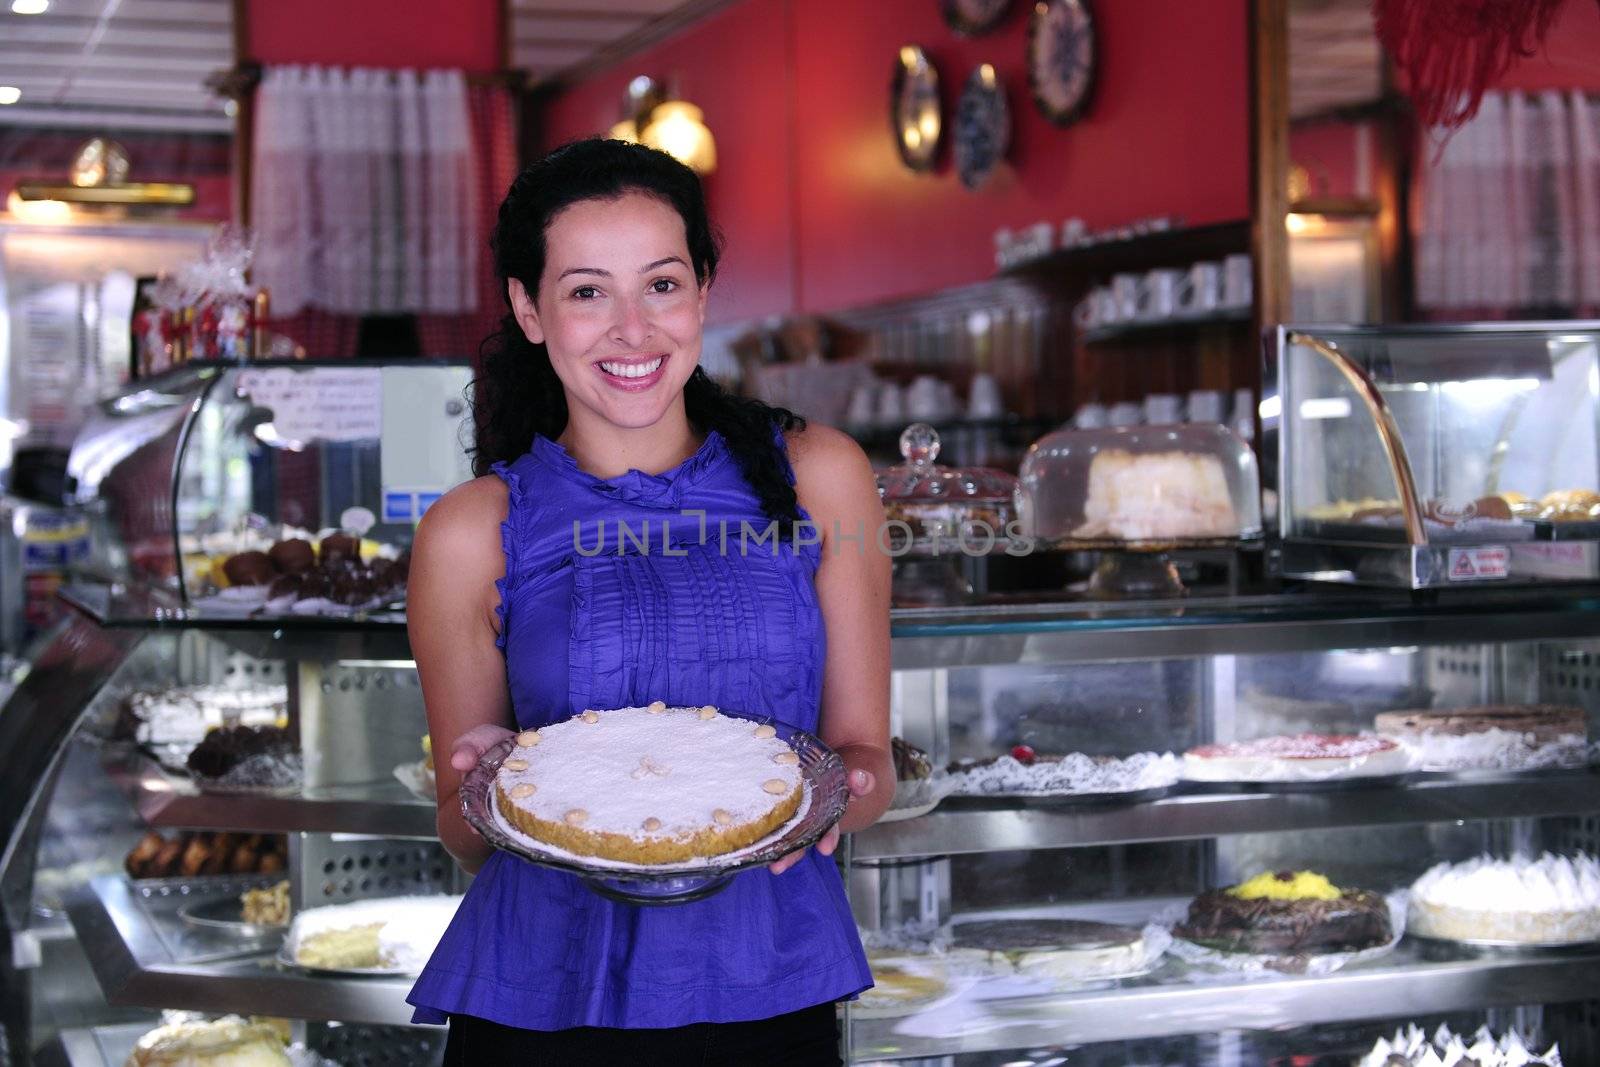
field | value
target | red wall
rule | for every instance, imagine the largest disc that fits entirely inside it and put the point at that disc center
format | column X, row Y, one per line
column 819, row 212
column 463, row 34
column 1570, row 58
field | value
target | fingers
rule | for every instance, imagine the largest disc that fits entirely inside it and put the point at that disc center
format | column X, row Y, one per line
column 779, row 866
column 830, row 840
column 470, row 746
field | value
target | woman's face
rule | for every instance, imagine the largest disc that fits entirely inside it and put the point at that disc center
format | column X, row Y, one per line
column 618, row 308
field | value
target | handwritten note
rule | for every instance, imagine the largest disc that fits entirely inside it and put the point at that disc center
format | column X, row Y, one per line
column 319, row 403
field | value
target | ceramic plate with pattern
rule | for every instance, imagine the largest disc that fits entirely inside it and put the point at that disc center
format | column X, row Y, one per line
column 982, row 127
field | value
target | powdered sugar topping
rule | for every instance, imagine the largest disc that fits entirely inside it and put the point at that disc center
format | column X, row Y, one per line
column 630, row 765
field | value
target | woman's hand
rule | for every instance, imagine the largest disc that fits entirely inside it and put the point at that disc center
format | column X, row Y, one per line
column 861, row 783
column 470, row 746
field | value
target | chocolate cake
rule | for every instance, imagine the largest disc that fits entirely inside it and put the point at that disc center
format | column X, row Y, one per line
column 1287, row 913
column 246, row 755
column 911, row 764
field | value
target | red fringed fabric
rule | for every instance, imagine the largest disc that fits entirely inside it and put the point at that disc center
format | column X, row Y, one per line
column 1452, row 51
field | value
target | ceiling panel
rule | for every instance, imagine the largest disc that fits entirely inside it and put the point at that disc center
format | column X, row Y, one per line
column 94, row 63
column 553, row 38
column 1334, row 57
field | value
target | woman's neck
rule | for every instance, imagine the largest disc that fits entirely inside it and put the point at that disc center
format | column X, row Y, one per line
column 607, row 451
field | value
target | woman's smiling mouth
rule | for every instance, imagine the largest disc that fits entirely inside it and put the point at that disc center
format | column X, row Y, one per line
column 633, row 374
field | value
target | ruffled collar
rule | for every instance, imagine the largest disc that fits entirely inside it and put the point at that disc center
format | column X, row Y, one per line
column 664, row 490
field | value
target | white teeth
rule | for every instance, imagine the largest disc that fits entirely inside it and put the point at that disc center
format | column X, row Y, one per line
column 631, row 370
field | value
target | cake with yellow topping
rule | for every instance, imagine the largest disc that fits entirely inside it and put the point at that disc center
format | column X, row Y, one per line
column 226, row 1042
column 1287, row 913
column 649, row 785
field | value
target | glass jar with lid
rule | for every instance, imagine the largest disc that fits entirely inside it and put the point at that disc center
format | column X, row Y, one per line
column 943, row 508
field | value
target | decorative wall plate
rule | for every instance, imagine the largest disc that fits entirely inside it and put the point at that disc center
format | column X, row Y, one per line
column 982, row 127
column 914, row 108
column 972, row 17
column 1062, row 58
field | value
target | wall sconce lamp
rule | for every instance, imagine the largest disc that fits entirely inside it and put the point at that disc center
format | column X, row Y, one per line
column 676, row 127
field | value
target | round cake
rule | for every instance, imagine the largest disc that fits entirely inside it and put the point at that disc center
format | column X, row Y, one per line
column 1513, row 737
column 1056, row 949
column 1297, row 757
column 650, row 785
column 226, row 1042
column 1287, row 913
column 1551, row 900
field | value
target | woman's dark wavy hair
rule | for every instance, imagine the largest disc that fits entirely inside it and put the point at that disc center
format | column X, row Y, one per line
column 517, row 394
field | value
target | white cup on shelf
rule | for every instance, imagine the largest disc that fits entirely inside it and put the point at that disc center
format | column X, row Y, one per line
column 1237, row 283
column 1126, row 413
column 1205, row 405
column 1205, row 289
column 1163, row 409
column 983, row 397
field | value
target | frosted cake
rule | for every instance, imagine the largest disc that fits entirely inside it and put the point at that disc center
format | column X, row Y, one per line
column 649, row 785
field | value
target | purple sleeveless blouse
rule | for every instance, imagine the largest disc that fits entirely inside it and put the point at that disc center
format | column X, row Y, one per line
column 688, row 623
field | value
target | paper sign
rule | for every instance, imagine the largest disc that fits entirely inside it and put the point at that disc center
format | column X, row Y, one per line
column 1555, row 559
column 319, row 404
column 1483, row 563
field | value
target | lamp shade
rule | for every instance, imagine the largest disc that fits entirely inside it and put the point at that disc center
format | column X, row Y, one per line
column 679, row 129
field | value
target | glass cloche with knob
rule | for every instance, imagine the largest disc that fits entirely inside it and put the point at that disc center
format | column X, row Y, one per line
column 938, row 503
column 1131, row 487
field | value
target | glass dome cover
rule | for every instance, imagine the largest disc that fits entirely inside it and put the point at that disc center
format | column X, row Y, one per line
column 1155, row 486
column 939, row 501
column 919, row 480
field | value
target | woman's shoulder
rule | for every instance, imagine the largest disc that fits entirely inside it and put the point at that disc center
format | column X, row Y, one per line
column 466, row 520
column 831, row 470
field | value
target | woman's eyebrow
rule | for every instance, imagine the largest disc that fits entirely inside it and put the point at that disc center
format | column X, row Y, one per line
column 584, row 270
column 662, row 263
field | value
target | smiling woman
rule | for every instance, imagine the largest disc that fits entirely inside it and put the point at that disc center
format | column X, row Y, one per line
column 592, row 410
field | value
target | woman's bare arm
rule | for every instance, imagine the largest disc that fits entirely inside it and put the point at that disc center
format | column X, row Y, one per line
column 450, row 608
column 837, row 487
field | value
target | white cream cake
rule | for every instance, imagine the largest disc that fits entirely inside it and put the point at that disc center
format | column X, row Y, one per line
column 1551, row 900
column 1157, row 496
column 650, row 785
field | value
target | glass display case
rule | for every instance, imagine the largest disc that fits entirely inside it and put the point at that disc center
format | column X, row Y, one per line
column 272, row 489
column 1432, row 456
column 1039, row 905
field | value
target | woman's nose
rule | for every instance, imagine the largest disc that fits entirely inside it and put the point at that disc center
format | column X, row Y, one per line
column 632, row 327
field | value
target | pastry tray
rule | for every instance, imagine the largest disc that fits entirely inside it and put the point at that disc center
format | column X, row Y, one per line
column 1320, row 785
column 226, row 914
column 822, row 773
column 988, row 801
column 286, row 959
column 1485, row 944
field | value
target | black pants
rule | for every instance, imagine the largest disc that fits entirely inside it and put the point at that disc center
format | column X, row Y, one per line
column 805, row 1038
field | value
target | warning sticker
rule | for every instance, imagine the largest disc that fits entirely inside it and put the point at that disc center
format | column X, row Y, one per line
column 1480, row 564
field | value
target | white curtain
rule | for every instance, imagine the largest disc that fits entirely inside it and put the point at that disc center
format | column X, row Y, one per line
column 364, row 191
column 1508, row 209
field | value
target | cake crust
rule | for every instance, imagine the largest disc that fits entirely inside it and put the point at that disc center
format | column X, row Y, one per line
column 649, row 786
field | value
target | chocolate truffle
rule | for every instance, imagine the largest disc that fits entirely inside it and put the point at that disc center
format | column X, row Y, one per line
column 339, row 546
column 249, row 568
column 294, row 556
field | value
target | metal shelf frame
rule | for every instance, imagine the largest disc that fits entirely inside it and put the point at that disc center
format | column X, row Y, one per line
column 1404, row 984
column 953, row 830
column 130, row 937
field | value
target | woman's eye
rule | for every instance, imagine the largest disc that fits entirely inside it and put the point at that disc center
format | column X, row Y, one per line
column 663, row 285
column 585, row 292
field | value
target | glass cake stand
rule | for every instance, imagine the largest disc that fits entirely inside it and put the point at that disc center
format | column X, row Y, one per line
column 822, row 773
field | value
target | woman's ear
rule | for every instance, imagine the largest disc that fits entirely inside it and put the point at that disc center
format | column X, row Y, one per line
column 526, row 314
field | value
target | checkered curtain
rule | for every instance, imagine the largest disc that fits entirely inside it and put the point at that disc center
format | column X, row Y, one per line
column 373, row 194
column 1509, row 210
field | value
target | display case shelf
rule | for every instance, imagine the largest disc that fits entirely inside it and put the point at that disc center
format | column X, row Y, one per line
column 385, row 809
column 1192, row 816
column 100, row 1046
column 134, row 942
column 1406, row 984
